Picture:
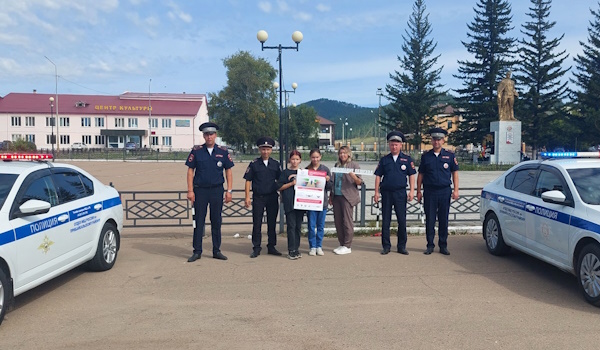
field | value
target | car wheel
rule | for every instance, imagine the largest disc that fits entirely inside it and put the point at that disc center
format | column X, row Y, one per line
column 108, row 247
column 493, row 236
column 588, row 271
column 4, row 294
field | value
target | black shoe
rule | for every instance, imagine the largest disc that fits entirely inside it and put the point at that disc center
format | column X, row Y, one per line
column 384, row 251
column 274, row 251
column 219, row 256
column 194, row 257
column 444, row 251
column 255, row 254
column 403, row 251
column 428, row 251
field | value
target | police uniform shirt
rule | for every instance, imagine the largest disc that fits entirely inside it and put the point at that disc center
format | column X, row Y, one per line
column 394, row 173
column 209, row 168
column 437, row 170
column 263, row 176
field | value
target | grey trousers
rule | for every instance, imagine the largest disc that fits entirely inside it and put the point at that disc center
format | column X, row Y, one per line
column 343, row 218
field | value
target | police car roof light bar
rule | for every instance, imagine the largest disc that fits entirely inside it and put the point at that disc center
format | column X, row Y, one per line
column 24, row 156
column 570, row 154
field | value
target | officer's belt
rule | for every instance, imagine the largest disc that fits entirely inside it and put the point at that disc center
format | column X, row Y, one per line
column 206, row 187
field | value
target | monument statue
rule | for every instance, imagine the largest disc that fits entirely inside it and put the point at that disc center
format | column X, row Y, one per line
column 506, row 98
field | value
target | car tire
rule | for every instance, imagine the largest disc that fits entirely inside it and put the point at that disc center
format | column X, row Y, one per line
column 588, row 273
column 492, row 233
column 4, row 294
column 108, row 247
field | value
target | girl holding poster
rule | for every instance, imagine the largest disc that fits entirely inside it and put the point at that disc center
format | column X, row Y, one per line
column 293, row 217
column 316, row 219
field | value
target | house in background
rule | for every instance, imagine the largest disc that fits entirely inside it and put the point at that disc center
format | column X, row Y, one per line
column 326, row 132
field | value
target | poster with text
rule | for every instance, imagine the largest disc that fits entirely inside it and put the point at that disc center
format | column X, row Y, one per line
column 310, row 190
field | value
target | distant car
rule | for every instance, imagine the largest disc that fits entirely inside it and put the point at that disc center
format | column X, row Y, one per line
column 78, row 146
column 131, row 146
column 53, row 218
column 549, row 209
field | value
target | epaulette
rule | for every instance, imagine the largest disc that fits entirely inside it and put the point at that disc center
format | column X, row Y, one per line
column 223, row 148
column 449, row 151
column 197, row 147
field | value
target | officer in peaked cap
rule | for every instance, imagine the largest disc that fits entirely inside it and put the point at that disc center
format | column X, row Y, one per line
column 391, row 177
column 437, row 171
column 262, row 174
column 206, row 164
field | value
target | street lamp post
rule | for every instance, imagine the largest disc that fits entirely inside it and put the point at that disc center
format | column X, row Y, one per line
column 286, row 140
column 262, row 36
column 378, row 124
column 344, row 124
column 52, row 124
column 56, row 93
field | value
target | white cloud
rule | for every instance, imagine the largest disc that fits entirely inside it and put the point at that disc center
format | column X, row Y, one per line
column 323, row 8
column 14, row 39
column 265, row 6
column 177, row 13
column 283, row 6
column 303, row 16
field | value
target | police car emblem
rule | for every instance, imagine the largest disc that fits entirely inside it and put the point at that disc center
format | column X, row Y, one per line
column 403, row 167
column 445, row 165
column 45, row 246
column 219, row 164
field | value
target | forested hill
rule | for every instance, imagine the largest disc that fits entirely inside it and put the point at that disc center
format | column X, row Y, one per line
column 360, row 119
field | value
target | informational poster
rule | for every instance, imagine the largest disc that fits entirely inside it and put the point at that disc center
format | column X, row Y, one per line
column 310, row 190
column 510, row 137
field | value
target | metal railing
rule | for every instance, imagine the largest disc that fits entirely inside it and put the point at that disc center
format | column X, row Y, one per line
column 171, row 209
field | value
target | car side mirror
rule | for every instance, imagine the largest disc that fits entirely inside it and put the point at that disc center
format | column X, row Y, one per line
column 33, row 207
column 554, row 196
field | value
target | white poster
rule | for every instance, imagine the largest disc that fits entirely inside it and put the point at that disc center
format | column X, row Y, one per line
column 310, row 190
column 510, row 137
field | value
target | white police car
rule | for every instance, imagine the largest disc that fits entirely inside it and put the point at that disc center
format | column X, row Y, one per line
column 53, row 218
column 549, row 209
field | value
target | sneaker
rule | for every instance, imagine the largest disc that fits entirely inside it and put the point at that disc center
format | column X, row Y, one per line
column 312, row 252
column 344, row 251
column 338, row 248
column 298, row 254
column 320, row 251
column 292, row 256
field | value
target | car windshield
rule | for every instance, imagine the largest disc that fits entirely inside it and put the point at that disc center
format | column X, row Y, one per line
column 6, row 183
column 587, row 183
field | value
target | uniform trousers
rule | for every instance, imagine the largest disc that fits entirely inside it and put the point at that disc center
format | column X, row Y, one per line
column 294, row 227
column 343, row 217
column 397, row 199
column 204, row 197
column 437, row 204
column 260, row 203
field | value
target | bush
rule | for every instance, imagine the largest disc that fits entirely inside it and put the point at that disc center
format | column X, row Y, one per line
column 22, row 146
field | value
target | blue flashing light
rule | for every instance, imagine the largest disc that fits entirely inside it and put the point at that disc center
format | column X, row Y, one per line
column 570, row 154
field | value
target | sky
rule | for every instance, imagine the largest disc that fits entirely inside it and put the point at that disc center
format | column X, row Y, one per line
column 349, row 48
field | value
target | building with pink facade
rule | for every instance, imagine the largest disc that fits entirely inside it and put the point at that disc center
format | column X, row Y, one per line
column 158, row 120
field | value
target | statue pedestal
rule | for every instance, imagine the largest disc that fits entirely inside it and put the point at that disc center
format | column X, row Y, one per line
column 507, row 142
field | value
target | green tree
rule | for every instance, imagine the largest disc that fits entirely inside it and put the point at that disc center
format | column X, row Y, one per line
column 415, row 89
column 540, row 71
column 21, row 145
column 303, row 127
column 587, row 79
column 493, row 53
column 246, row 109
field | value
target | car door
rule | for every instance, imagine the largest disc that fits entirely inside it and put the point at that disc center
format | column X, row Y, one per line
column 513, row 216
column 37, row 237
column 549, row 236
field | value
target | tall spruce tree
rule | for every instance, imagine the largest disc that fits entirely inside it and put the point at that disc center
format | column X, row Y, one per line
column 493, row 54
column 587, row 79
column 415, row 89
column 539, row 73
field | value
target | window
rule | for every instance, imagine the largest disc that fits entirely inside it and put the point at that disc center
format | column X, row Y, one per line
column 41, row 189
column 449, row 125
column 154, row 140
column 15, row 121
column 86, row 121
column 29, row 121
column 133, row 122
column 99, row 122
column 548, row 181
column 86, row 139
column 119, row 122
column 30, row 138
column 65, row 139
column 166, row 123
column 100, row 140
column 521, row 181
column 153, row 123
column 6, row 183
column 69, row 185
column 587, row 183
column 49, row 139
column 64, row 121
column 16, row 137
column 166, row 140
column 50, row 121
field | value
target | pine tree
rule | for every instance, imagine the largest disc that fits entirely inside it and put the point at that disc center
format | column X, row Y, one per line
column 539, row 74
column 493, row 53
column 587, row 78
column 415, row 89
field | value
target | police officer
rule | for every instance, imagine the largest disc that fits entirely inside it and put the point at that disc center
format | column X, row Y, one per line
column 391, row 175
column 205, row 186
column 437, row 167
column 262, row 174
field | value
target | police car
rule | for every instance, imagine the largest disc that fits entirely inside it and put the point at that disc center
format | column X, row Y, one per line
column 53, row 218
column 549, row 209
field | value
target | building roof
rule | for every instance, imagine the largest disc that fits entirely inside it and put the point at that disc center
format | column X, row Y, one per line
column 323, row 121
column 126, row 104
